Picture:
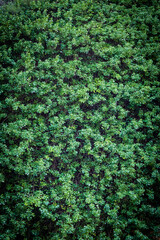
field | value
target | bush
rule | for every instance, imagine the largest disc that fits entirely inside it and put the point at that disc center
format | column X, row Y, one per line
column 80, row 120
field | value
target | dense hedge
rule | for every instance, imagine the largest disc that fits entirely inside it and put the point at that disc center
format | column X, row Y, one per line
column 80, row 104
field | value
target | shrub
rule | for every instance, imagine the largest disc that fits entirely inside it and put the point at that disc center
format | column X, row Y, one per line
column 80, row 120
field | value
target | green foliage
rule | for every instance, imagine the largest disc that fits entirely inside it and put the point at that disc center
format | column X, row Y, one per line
column 80, row 103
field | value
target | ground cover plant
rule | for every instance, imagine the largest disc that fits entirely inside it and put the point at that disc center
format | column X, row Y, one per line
column 80, row 104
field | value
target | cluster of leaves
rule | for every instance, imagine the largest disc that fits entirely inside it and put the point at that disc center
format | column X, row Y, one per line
column 80, row 104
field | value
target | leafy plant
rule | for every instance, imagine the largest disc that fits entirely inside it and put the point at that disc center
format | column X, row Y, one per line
column 80, row 120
